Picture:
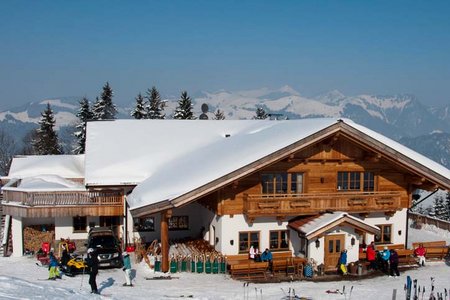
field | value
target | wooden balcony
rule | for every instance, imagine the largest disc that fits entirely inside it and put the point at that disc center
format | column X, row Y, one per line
column 281, row 205
column 70, row 203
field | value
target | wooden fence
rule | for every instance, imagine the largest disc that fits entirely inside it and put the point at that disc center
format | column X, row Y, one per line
column 419, row 220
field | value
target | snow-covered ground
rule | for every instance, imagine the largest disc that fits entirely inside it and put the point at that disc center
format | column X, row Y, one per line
column 21, row 278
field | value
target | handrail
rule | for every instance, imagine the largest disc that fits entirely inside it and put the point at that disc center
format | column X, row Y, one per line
column 64, row 198
column 285, row 204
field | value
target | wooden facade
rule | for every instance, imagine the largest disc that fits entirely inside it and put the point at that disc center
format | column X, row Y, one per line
column 319, row 165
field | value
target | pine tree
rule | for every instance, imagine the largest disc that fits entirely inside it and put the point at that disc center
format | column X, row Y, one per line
column 104, row 108
column 218, row 115
column 46, row 139
column 155, row 106
column 84, row 114
column 184, row 109
column 447, row 205
column 139, row 111
column 260, row 114
column 439, row 207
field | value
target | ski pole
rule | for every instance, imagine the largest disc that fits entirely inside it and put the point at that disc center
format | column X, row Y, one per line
column 82, row 274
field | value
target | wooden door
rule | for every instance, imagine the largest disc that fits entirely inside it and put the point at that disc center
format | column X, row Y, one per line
column 334, row 244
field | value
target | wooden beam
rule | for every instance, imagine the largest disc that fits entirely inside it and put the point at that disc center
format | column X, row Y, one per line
column 165, row 215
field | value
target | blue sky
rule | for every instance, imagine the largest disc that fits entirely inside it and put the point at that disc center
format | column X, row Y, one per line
column 71, row 48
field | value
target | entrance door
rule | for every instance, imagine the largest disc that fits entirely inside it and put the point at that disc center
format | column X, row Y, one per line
column 334, row 244
column 111, row 222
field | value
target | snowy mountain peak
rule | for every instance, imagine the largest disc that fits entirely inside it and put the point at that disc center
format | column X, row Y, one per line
column 331, row 97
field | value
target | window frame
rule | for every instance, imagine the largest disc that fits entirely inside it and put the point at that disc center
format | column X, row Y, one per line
column 362, row 181
column 249, row 240
column 279, row 240
column 139, row 224
column 79, row 224
column 382, row 234
column 288, row 184
column 176, row 223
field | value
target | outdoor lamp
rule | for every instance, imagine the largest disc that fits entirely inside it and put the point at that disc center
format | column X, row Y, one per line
column 317, row 243
column 352, row 241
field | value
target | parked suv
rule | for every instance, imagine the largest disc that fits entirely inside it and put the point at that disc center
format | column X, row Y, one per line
column 107, row 246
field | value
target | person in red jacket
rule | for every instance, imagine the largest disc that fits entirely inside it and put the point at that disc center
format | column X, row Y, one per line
column 420, row 253
column 371, row 256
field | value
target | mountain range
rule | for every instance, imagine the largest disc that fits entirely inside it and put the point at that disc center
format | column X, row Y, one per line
column 404, row 118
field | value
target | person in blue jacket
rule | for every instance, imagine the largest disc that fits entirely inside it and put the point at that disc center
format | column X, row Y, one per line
column 53, row 267
column 343, row 262
column 385, row 255
column 127, row 268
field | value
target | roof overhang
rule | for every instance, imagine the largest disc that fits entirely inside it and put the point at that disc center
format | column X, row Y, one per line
column 317, row 226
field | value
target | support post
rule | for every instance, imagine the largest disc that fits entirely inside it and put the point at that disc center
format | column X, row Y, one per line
column 165, row 215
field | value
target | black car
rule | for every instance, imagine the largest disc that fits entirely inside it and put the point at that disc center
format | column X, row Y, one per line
column 107, row 247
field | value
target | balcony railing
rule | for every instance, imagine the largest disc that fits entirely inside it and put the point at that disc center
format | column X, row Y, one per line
column 78, row 198
column 259, row 205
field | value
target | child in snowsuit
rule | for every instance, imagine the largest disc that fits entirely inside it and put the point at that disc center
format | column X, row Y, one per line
column 92, row 262
column 53, row 267
column 393, row 260
column 343, row 262
column 385, row 254
column 127, row 268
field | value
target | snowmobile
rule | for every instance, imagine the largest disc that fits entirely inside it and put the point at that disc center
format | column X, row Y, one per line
column 75, row 265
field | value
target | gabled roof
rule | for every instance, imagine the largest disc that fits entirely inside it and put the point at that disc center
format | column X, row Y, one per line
column 316, row 226
column 175, row 162
column 65, row 166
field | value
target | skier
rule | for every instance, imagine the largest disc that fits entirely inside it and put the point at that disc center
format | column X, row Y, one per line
column 420, row 252
column 343, row 262
column 267, row 256
column 127, row 268
column 53, row 267
column 92, row 262
column 385, row 254
column 393, row 260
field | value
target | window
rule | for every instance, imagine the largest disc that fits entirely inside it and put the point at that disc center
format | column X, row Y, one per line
column 179, row 223
column 282, row 183
column 385, row 234
column 279, row 240
column 351, row 181
column 79, row 224
column 144, row 224
column 246, row 239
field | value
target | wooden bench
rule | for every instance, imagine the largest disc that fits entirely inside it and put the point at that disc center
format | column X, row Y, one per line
column 390, row 246
column 435, row 250
column 251, row 271
column 406, row 257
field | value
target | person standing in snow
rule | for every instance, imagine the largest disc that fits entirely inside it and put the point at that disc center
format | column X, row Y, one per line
column 127, row 268
column 393, row 261
column 92, row 263
column 385, row 254
column 371, row 256
column 53, row 267
column 343, row 262
column 420, row 252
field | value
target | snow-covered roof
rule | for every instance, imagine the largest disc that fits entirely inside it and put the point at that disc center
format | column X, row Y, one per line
column 163, row 155
column 66, row 166
column 169, row 158
column 315, row 224
column 49, row 183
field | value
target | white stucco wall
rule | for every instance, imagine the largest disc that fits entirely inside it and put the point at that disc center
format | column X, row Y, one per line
column 229, row 228
column 64, row 228
column 398, row 222
column 198, row 215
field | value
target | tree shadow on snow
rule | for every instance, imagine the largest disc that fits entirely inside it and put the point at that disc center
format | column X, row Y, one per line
column 105, row 284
